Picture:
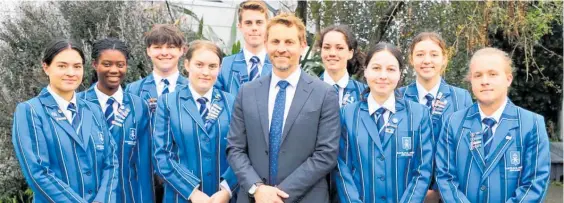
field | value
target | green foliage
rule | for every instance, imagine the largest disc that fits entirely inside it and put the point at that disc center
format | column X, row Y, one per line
column 236, row 48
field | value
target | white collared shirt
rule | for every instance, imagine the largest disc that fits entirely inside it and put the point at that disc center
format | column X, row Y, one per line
column 103, row 98
column 196, row 96
column 496, row 116
column 389, row 105
column 248, row 55
column 62, row 103
column 171, row 80
column 421, row 91
column 343, row 82
column 293, row 79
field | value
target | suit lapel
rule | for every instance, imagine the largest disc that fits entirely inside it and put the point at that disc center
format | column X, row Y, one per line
column 303, row 90
column 370, row 125
column 52, row 108
column 261, row 96
column 503, row 137
column 473, row 125
column 393, row 122
column 189, row 105
column 86, row 118
column 181, row 81
column 149, row 89
column 238, row 71
column 411, row 93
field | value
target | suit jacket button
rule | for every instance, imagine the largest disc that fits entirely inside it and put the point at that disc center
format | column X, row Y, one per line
column 266, row 152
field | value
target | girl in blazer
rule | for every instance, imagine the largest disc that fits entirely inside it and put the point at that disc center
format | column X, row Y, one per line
column 341, row 59
column 385, row 153
column 62, row 142
column 127, row 118
column 190, row 133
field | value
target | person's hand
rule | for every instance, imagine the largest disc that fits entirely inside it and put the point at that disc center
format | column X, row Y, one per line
column 269, row 194
column 221, row 196
column 432, row 197
column 199, row 197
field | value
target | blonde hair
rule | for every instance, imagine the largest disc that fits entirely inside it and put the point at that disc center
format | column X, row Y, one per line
column 259, row 6
column 490, row 51
column 289, row 20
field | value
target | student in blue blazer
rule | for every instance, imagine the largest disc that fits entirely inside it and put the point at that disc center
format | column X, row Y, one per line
column 190, row 133
column 492, row 151
column 65, row 150
column 127, row 117
column 341, row 59
column 385, row 152
column 251, row 62
column 428, row 56
column 165, row 46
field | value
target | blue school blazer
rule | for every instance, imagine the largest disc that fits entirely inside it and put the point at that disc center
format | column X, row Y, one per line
column 395, row 170
column 455, row 98
column 518, row 166
column 185, row 155
column 133, row 139
column 58, row 164
column 353, row 91
column 234, row 73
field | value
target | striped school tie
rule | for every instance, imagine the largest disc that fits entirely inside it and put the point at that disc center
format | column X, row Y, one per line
column 75, row 117
column 254, row 68
column 203, row 108
column 109, row 113
column 165, row 89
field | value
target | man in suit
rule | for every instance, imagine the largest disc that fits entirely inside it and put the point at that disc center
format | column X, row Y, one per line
column 283, row 137
column 251, row 62
column 492, row 151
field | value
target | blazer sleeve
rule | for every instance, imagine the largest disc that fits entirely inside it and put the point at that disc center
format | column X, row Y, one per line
column 182, row 181
column 445, row 162
column 324, row 158
column 536, row 165
column 422, row 166
column 237, row 154
column 346, row 187
column 109, row 182
column 29, row 145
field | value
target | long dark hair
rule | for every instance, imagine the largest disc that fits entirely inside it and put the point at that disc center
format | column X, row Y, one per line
column 384, row 46
column 355, row 64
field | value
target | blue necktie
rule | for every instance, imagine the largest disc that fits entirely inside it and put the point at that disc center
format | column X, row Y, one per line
column 203, row 109
column 254, row 68
column 109, row 113
column 337, row 89
column 276, row 131
column 380, row 122
column 490, row 122
column 165, row 89
column 429, row 98
column 75, row 118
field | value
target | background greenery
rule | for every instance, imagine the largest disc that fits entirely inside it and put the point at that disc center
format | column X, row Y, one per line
column 530, row 31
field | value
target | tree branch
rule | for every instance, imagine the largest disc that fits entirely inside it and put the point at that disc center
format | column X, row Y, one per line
column 384, row 23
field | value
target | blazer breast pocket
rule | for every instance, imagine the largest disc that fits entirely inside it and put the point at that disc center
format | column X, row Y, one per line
column 513, row 164
column 404, row 144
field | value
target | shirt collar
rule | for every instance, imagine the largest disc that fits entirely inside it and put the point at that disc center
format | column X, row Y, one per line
column 422, row 91
column 171, row 78
column 196, row 95
column 342, row 82
column 293, row 78
column 103, row 98
column 496, row 114
column 389, row 104
column 261, row 55
column 63, row 104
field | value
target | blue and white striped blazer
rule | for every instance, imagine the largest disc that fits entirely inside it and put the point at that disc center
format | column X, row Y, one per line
column 519, row 159
column 60, row 165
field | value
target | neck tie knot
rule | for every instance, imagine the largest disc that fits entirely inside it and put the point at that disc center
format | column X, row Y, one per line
column 202, row 100
column 255, row 60
column 429, row 98
column 283, row 84
column 489, row 122
column 71, row 107
column 110, row 101
column 165, row 81
column 380, row 111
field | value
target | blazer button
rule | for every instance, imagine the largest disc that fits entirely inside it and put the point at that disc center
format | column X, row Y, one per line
column 383, row 198
column 382, row 178
column 483, row 188
column 89, row 191
column 381, row 158
column 88, row 173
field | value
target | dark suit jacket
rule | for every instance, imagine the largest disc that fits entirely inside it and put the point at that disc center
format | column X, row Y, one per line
column 309, row 145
